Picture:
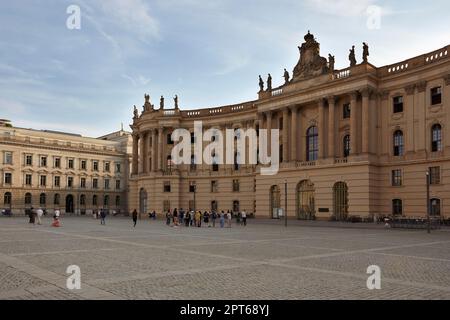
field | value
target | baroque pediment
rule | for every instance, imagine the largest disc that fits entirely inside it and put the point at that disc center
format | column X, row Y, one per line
column 311, row 64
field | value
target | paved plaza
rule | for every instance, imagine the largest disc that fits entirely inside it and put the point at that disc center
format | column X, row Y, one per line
column 262, row 261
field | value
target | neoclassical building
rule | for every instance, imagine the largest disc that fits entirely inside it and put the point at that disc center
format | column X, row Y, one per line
column 55, row 170
column 353, row 142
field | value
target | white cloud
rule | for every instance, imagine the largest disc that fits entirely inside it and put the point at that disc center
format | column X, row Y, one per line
column 11, row 108
column 344, row 8
column 140, row 80
column 132, row 15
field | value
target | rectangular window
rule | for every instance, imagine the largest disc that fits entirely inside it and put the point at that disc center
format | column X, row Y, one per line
column 118, row 167
column 397, row 178
column 95, row 165
column 57, row 181
column 192, row 186
column 43, row 181
column 57, row 162
column 8, row 178
column 236, row 186
column 107, row 166
column 71, row 163
column 95, row 183
column 83, row 164
column 117, row 184
column 214, row 186
column 28, row 179
column 8, row 158
column 169, row 139
column 106, row 184
column 83, row 183
column 192, row 138
column 167, row 186
column 346, row 113
column 29, row 160
column 436, row 96
column 435, row 175
column 70, row 182
column 43, row 161
column 398, row 104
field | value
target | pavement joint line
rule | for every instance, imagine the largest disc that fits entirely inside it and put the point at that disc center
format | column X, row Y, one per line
column 52, row 278
column 364, row 277
column 61, row 252
column 411, row 257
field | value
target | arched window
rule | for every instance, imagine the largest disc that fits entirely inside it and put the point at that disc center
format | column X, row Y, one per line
column 106, row 201
column 95, row 200
column 7, row 199
column 436, row 138
column 397, row 207
column 346, row 147
column 275, row 201
column 435, row 207
column 117, row 201
column 28, row 198
column 340, row 200
column 398, row 143
column 57, row 199
column 82, row 200
column 312, row 144
column 42, row 199
column 305, row 200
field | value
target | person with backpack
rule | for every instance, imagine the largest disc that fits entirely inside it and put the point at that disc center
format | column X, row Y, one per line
column 103, row 217
column 135, row 217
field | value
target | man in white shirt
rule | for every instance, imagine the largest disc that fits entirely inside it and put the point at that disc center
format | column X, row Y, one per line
column 244, row 218
column 39, row 213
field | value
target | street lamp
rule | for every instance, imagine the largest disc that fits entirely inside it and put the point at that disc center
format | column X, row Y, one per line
column 428, row 203
column 285, row 203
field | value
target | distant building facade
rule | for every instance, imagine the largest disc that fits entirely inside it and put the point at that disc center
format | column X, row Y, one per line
column 52, row 170
column 353, row 142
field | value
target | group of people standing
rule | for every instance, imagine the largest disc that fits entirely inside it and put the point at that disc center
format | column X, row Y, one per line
column 37, row 214
column 207, row 218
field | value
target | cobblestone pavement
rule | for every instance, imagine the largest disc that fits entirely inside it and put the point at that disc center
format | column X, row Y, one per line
column 261, row 261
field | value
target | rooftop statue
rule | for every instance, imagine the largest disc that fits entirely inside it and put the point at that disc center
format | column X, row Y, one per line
column 161, row 103
column 269, row 82
column 261, row 84
column 311, row 64
column 286, row 76
column 136, row 113
column 331, row 62
column 352, row 57
column 176, row 101
column 147, row 105
column 365, row 52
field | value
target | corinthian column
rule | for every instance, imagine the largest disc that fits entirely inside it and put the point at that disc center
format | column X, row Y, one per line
column 331, row 127
column 321, row 103
column 269, row 132
column 135, row 162
column 141, row 152
column 285, row 135
column 353, row 123
column 365, row 120
column 154, row 151
column 160, row 148
column 294, row 137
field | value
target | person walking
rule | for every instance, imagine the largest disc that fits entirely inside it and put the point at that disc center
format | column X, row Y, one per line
column 103, row 217
column 168, row 217
column 182, row 214
column 198, row 219
column 213, row 218
column 244, row 218
column 229, row 218
column 135, row 217
column 206, row 218
column 39, row 214
column 175, row 217
column 222, row 219
column 56, row 223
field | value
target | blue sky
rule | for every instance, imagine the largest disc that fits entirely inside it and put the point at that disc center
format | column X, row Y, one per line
column 209, row 52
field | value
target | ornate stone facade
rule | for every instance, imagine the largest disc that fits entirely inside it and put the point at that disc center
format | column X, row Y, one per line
column 355, row 142
column 56, row 170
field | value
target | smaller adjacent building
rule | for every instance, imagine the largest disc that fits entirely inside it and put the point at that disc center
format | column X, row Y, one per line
column 57, row 170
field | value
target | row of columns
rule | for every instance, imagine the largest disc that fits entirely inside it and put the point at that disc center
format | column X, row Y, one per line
column 147, row 146
column 294, row 136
